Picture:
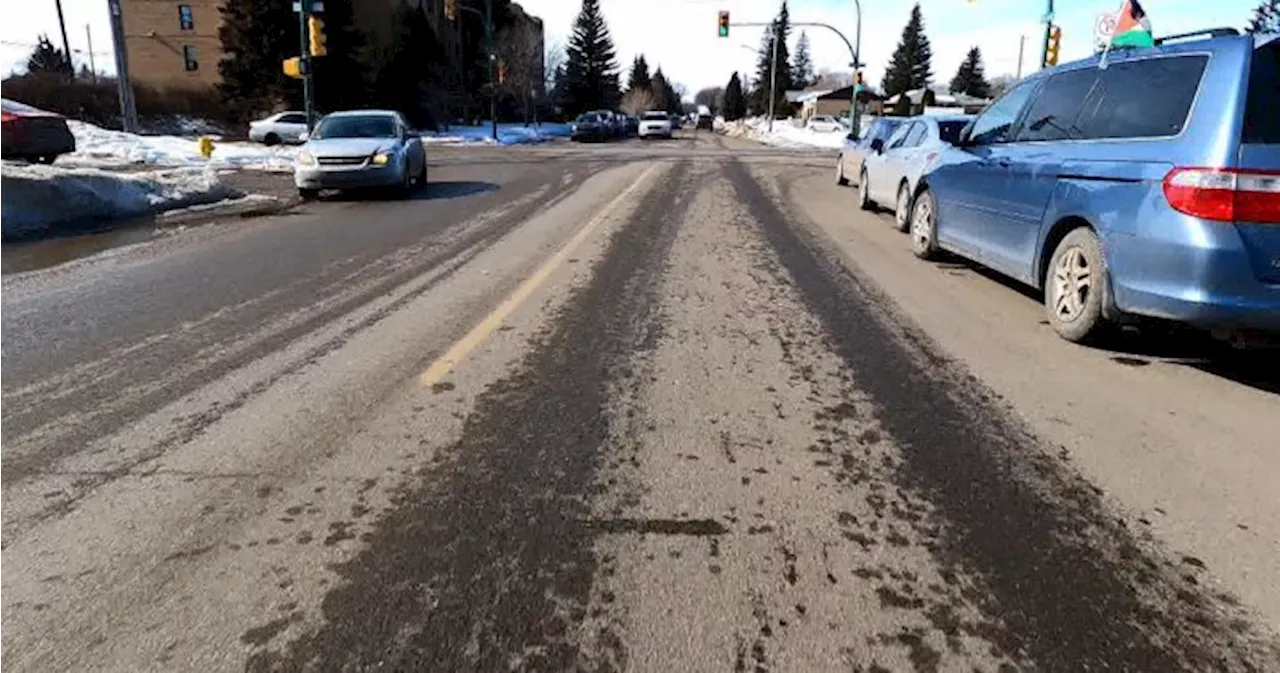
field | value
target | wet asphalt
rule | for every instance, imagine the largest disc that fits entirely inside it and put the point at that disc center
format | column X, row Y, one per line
column 707, row 421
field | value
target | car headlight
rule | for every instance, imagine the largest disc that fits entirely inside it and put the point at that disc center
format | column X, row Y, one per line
column 305, row 159
column 381, row 159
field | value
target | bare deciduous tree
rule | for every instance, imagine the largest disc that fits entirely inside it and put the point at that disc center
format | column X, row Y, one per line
column 554, row 58
column 520, row 58
column 637, row 101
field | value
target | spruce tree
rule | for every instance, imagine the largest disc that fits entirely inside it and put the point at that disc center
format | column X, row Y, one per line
column 802, row 72
column 775, row 37
column 735, row 100
column 591, row 72
column 403, row 71
column 661, row 90
column 970, row 78
column 46, row 59
column 1266, row 18
column 639, row 77
column 911, row 64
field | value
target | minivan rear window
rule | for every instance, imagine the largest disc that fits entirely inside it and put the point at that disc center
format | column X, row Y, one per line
column 1146, row 98
column 1262, row 108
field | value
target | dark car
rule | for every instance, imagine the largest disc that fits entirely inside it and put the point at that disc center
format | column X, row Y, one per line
column 33, row 135
column 705, row 122
column 589, row 126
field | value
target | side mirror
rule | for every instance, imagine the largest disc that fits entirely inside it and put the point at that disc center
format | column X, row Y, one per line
column 964, row 139
column 877, row 146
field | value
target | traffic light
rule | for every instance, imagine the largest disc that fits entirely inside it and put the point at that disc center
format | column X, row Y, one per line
column 724, row 24
column 502, row 73
column 293, row 67
column 1051, row 48
column 451, row 9
column 315, row 35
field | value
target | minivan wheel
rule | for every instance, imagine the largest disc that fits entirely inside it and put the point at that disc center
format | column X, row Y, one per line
column 902, row 213
column 924, row 226
column 840, row 178
column 864, row 197
column 1074, row 286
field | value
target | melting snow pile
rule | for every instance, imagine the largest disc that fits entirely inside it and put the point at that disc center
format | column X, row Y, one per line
column 38, row 197
column 96, row 146
column 508, row 134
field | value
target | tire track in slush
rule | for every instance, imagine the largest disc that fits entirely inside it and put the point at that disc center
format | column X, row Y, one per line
column 487, row 563
column 1068, row 585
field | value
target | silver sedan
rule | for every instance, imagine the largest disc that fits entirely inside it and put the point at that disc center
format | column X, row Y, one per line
column 358, row 149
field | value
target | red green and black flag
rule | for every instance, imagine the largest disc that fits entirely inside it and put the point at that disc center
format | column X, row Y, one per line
column 1132, row 27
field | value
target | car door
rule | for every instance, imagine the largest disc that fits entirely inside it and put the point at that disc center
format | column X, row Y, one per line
column 291, row 126
column 874, row 163
column 1035, row 160
column 898, row 159
column 965, row 181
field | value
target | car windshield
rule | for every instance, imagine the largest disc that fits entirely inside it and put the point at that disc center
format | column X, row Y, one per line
column 363, row 126
column 587, row 118
column 656, row 116
column 950, row 131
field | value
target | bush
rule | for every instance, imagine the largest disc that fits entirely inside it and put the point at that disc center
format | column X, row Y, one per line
column 99, row 104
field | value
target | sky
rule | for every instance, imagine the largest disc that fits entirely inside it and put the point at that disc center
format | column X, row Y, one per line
column 680, row 35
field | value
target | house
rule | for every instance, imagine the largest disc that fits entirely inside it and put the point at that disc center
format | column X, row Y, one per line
column 834, row 102
column 963, row 103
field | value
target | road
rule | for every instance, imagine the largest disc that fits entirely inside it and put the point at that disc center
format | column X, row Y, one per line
column 629, row 407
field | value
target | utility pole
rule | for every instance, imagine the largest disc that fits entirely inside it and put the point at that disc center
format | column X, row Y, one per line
column 773, row 76
column 93, row 69
column 66, row 44
column 128, row 110
column 854, row 118
column 1022, row 43
column 493, row 58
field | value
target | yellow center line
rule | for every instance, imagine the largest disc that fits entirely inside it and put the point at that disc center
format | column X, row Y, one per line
column 443, row 366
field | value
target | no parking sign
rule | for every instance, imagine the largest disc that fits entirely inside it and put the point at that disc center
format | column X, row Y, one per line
column 1104, row 26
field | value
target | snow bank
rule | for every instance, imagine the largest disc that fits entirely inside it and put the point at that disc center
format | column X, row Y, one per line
column 36, row 198
column 508, row 134
column 96, row 146
column 784, row 134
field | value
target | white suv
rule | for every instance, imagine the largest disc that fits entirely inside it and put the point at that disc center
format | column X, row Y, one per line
column 655, row 124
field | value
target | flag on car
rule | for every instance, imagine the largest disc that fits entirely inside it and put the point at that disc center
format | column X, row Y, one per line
column 1132, row 27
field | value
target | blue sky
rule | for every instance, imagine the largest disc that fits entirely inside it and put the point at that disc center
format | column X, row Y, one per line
column 680, row 35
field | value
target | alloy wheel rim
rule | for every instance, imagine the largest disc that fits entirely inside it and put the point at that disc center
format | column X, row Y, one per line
column 1072, row 283
column 921, row 234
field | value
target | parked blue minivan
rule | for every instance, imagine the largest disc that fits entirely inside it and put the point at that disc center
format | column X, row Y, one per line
column 1146, row 188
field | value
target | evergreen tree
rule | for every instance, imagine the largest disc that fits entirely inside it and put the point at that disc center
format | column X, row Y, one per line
column 46, row 58
column 911, row 64
column 1266, row 18
column 735, row 100
column 802, row 72
column 661, row 90
column 639, row 78
column 403, row 71
column 591, row 72
column 970, row 78
column 775, row 38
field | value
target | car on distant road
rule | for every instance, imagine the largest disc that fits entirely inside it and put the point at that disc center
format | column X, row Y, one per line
column 824, row 124
column 589, row 126
column 856, row 148
column 892, row 169
column 34, row 135
column 656, row 123
column 632, row 125
column 1146, row 189
column 703, row 118
column 611, row 122
column 359, row 149
column 281, row 127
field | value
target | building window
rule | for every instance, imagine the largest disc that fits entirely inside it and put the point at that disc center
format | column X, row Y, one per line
column 185, row 20
column 189, row 60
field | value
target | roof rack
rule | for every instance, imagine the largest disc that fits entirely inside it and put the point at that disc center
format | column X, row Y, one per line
column 1206, row 33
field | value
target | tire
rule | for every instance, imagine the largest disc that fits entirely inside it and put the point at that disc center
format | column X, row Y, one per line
column 1075, row 286
column 924, row 227
column 840, row 178
column 422, row 177
column 864, row 196
column 308, row 194
column 271, row 140
column 902, row 209
column 406, row 182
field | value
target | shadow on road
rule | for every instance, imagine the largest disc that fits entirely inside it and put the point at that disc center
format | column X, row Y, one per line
column 434, row 191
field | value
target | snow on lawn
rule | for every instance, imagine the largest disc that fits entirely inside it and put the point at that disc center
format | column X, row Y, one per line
column 96, row 146
column 34, row 198
column 784, row 134
column 508, row 134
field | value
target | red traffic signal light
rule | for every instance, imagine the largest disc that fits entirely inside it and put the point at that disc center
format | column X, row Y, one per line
column 724, row 24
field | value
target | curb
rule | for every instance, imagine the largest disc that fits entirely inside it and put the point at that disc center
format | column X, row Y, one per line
column 250, row 205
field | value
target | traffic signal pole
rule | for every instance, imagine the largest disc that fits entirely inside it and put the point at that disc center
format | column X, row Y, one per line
column 304, row 51
column 1048, row 35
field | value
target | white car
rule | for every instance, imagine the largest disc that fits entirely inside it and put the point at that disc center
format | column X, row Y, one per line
column 656, row 124
column 892, row 169
column 281, row 127
column 824, row 124
column 361, row 149
column 856, row 148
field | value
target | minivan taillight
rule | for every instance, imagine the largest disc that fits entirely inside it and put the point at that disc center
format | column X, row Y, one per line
column 1225, row 194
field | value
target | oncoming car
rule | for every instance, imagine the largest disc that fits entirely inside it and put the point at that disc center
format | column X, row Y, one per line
column 656, row 123
column 359, row 149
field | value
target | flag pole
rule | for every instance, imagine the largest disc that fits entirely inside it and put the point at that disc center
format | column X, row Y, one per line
column 1106, row 49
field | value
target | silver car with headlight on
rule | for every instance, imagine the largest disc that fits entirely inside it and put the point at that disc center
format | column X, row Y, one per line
column 359, row 149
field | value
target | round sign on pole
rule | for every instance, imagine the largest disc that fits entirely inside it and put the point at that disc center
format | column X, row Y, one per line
column 1104, row 26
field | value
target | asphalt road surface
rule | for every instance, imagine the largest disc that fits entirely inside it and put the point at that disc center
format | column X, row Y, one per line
column 629, row 407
